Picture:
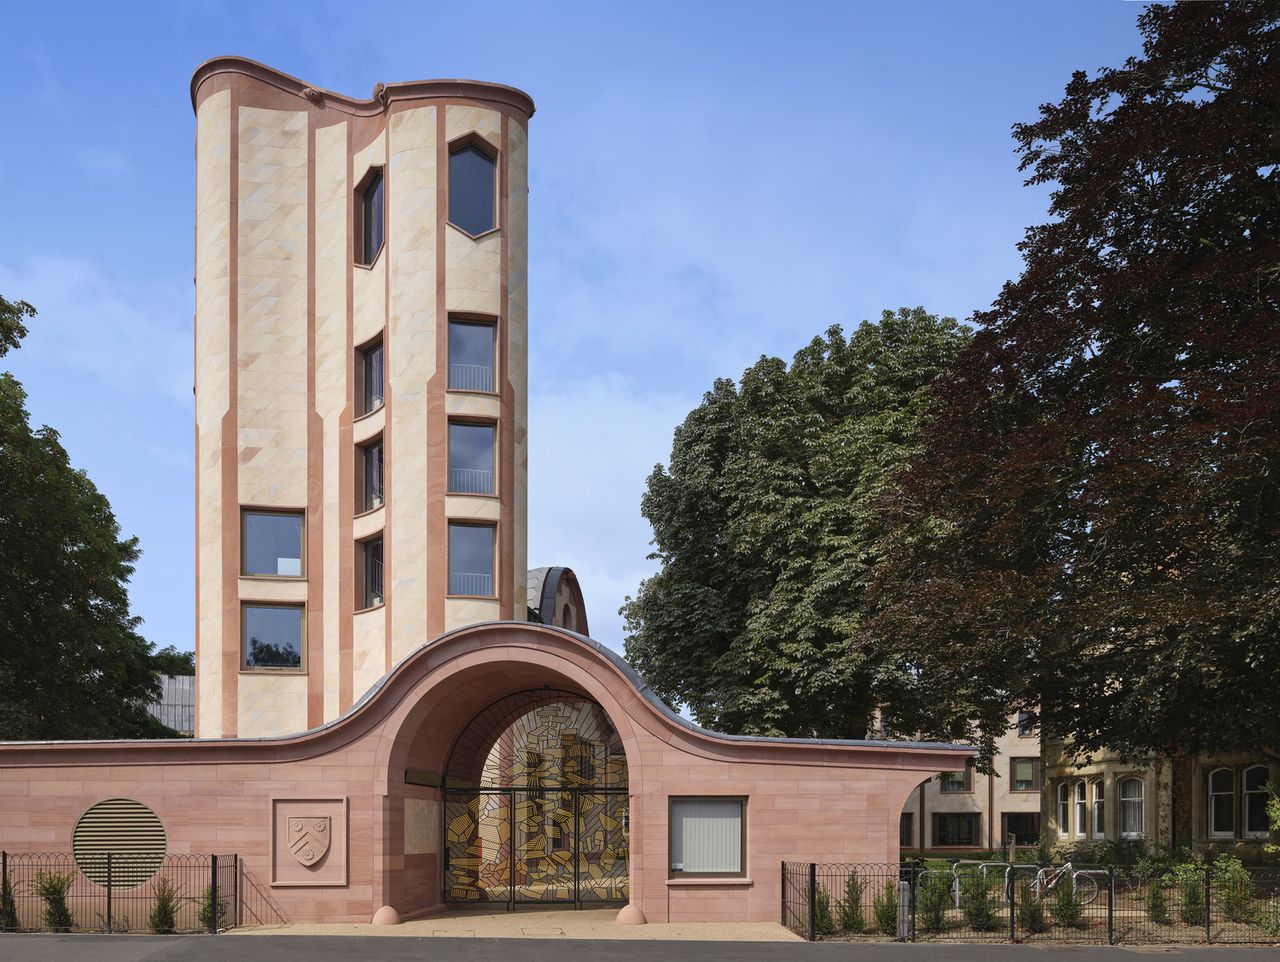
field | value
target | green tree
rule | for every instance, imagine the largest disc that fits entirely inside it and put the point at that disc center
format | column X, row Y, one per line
column 72, row 664
column 1094, row 527
column 766, row 528
column 171, row 661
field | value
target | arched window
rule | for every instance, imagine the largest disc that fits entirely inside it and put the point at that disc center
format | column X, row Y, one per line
column 1099, row 802
column 1082, row 809
column 1064, row 809
column 1255, row 801
column 1132, row 812
column 1222, row 803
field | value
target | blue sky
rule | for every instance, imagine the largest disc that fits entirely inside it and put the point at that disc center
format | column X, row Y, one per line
column 710, row 181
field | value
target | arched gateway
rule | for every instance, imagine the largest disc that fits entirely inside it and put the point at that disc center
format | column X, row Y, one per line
column 505, row 762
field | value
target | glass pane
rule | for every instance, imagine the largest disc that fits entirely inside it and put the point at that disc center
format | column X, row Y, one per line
column 1255, row 778
column 1255, row 812
column 1220, row 781
column 372, row 476
column 373, row 573
column 470, row 560
column 1024, row 775
column 272, row 544
column 472, row 187
column 373, row 390
column 372, row 216
column 471, row 458
column 470, row 356
column 272, row 636
column 706, row 835
column 952, row 782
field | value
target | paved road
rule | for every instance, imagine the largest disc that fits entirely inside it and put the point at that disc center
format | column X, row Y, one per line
column 283, row 948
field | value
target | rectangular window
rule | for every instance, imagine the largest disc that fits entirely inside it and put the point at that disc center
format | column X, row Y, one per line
column 471, row 458
column 371, row 574
column 1021, row 828
column 1025, row 726
column 272, row 636
column 271, row 544
column 1222, row 822
column 907, row 830
column 1024, row 773
column 707, row 836
column 1099, row 808
column 1132, row 813
column 471, row 559
column 1256, row 823
column 1064, row 809
column 372, row 380
column 956, row 781
column 1080, row 793
column 369, row 227
column 955, row 829
column 471, row 355
column 371, row 475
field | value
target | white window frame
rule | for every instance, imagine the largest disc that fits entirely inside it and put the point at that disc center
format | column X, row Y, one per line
column 1211, row 798
column 1099, row 813
column 1140, row 800
column 1245, row 792
column 1080, row 804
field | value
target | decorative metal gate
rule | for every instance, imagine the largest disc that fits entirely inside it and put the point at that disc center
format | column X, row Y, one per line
column 535, row 809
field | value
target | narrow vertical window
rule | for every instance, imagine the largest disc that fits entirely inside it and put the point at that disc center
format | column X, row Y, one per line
column 1064, row 809
column 471, row 458
column 1099, row 808
column 1082, row 810
column 371, row 574
column 1256, row 823
column 1132, row 812
column 1222, row 823
column 371, row 472
column 473, row 189
column 369, row 222
column 906, row 829
column 471, row 356
column 471, row 559
column 371, row 378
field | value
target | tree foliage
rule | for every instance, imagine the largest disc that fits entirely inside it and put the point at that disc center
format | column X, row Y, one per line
column 1094, row 524
column 766, row 527
column 72, row 664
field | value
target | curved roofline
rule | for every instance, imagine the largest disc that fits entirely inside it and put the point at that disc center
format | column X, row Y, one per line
column 384, row 94
column 616, row 661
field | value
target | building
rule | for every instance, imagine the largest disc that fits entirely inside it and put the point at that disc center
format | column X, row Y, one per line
column 964, row 811
column 176, row 706
column 1208, row 803
column 381, row 729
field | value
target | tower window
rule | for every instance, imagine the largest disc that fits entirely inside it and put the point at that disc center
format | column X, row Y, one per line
column 471, row 355
column 369, row 220
column 473, row 189
column 272, row 636
column 370, row 371
column 371, row 574
column 471, row 559
column 371, row 475
column 471, row 458
column 271, row 544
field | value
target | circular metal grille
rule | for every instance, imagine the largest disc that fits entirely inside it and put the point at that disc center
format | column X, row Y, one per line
column 129, row 832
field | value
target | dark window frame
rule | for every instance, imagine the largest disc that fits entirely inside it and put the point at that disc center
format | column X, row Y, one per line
column 300, row 514
column 966, row 786
column 364, row 600
column 374, row 177
column 363, row 358
column 494, row 557
column 976, row 821
column 363, row 449
column 475, row 320
column 1037, row 780
column 301, row 667
column 474, row 140
column 475, row 422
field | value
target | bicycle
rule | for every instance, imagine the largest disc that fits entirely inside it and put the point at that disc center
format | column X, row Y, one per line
column 1047, row 880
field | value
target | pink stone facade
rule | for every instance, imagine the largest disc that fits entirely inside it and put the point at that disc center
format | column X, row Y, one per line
column 805, row 800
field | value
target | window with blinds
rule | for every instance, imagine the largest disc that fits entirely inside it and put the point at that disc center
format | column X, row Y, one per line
column 707, row 836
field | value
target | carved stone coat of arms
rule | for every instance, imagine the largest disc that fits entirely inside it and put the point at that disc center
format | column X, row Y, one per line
column 309, row 839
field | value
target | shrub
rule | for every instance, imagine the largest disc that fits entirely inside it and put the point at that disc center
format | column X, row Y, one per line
column 823, row 923
column 1157, row 904
column 851, row 917
column 8, row 910
column 932, row 897
column 977, row 904
column 164, row 907
column 885, row 909
column 1269, row 919
column 1065, row 909
column 1030, row 911
column 52, row 887
column 1234, row 887
column 1188, row 879
column 206, row 914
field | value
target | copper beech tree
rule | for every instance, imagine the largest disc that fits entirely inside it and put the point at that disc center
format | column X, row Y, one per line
column 1093, row 528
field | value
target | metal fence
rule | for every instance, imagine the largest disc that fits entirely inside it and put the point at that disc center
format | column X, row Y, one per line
column 1028, row 902
column 57, row 892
